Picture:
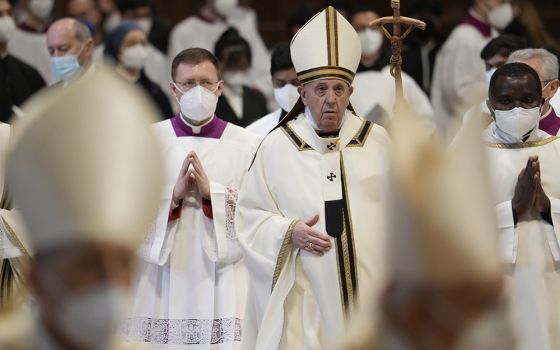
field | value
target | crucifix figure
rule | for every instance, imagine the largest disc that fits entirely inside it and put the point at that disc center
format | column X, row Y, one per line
column 396, row 39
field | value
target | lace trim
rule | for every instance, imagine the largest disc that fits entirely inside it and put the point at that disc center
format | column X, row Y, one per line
column 231, row 203
column 182, row 332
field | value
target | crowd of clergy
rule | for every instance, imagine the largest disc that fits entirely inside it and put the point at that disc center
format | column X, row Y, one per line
column 185, row 186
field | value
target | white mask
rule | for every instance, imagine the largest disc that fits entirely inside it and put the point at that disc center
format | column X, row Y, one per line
column 286, row 96
column 111, row 22
column 518, row 122
column 225, row 7
column 92, row 317
column 145, row 24
column 41, row 8
column 235, row 80
column 371, row 40
column 198, row 103
column 489, row 74
column 7, row 28
column 134, row 57
column 501, row 16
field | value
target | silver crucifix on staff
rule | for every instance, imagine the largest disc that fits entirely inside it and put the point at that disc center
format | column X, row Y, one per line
column 396, row 39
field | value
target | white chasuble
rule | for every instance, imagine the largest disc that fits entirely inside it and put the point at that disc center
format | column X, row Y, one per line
column 192, row 281
column 297, row 299
column 530, row 246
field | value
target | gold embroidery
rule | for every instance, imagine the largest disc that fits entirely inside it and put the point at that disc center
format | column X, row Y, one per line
column 284, row 253
column 295, row 138
column 13, row 236
column 361, row 136
column 519, row 145
column 326, row 71
column 350, row 230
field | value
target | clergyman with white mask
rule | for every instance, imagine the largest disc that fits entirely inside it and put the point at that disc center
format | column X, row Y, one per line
column 127, row 46
column 373, row 55
column 18, row 80
column 192, row 274
column 285, row 83
column 524, row 170
column 240, row 103
column 71, row 47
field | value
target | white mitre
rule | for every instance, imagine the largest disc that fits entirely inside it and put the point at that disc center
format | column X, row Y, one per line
column 84, row 165
column 326, row 47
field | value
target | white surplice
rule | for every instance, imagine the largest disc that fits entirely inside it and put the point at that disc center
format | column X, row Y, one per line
column 530, row 247
column 458, row 73
column 192, row 282
column 295, row 175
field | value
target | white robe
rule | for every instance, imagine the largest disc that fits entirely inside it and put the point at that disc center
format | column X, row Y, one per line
column 264, row 125
column 458, row 74
column 530, row 248
column 31, row 48
column 374, row 97
column 192, row 282
column 196, row 32
column 295, row 175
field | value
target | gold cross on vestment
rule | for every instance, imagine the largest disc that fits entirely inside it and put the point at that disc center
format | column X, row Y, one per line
column 396, row 39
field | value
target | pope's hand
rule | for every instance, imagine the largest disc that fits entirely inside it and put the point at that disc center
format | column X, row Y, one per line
column 305, row 237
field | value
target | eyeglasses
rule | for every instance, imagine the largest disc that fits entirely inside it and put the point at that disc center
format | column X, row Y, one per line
column 189, row 84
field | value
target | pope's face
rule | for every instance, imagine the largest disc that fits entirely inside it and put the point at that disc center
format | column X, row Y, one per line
column 327, row 100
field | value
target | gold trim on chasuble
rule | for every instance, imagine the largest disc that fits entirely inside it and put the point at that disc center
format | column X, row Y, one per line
column 519, row 145
column 346, row 251
column 295, row 138
column 283, row 254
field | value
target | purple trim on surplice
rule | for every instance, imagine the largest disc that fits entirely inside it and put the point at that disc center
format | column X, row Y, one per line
column 550, row 124
column 484, row 28
column 212, row 130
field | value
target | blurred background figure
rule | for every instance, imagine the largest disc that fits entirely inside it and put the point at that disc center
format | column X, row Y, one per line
column 144, row 13
column 71, row 47
column 86, row 12
column 298, row 17
column 458, row 72
column 205, row 28
column 421, row 48
column 285, row 83
column 545, row 63
column 239, row 104
column 18, row 80
column 529, row 25
column 374, row 87
column 127, row 46
column 374, row 56
column 28, row 41
column 496, row 53
column 84, row 237
column 110, row 16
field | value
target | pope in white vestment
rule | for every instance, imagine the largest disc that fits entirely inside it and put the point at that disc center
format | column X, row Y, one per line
column 301, row 298
column 192, row 282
